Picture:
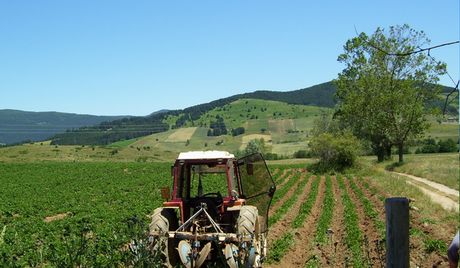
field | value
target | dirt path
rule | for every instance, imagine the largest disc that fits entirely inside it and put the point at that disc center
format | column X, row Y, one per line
column 441, row 194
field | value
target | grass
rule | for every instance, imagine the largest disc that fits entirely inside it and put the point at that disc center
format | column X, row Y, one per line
column 443, row 130
column 441, row 168
column 446, row 222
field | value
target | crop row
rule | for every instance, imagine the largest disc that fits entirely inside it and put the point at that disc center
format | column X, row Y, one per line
column 326, row 215
column 369, row 209
column 282, row 192
column 306, row 206
column 282, row 245
column 353, row 235
column 281, row 211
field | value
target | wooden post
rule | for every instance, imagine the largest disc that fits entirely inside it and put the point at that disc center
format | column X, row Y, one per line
column 397, row 236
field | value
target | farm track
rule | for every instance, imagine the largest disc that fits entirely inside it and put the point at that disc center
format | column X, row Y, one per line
column 284, row 224
column 334, row 253
column 372, row 244
column 301, row 250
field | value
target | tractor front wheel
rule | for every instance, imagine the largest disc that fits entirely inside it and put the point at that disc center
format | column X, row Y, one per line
column 164, row 248
column 248, row 225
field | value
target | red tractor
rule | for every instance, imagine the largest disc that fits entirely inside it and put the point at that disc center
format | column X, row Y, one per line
column 217, row 213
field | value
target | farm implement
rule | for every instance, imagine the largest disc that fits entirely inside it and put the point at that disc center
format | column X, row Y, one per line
column 216, row 213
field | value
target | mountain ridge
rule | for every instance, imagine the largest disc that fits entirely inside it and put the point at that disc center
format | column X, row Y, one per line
column 17, row 126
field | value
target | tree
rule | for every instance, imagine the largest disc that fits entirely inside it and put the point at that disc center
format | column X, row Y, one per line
column 255, row 146
column 383, row 91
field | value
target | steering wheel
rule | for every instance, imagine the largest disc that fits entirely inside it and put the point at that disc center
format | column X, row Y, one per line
column 216, row 194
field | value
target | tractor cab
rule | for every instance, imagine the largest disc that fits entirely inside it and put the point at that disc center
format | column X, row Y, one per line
column 217, row 202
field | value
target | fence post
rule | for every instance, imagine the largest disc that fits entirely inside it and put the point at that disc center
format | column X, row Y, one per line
column 397, row 231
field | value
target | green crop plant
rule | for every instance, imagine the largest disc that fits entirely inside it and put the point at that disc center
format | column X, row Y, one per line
column 288, row 203
column 369, row 209
column 285, row 188
column 326, row 215
column 280, row 247
column 353, row 236
column 306, row 206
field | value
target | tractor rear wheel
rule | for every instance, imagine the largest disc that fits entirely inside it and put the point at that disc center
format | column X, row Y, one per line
column 248, row 224
column 164, row 248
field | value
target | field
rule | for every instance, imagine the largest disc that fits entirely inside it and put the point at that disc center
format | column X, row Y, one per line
column 69, row 214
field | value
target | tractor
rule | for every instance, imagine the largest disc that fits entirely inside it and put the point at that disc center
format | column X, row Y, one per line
column 216, row 214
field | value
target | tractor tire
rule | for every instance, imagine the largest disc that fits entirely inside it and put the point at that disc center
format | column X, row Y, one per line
column 164, row 248
column 248, row 224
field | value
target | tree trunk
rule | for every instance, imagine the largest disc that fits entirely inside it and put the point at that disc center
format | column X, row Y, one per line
column 401, row 152
column 380, row 152
column 387, row 152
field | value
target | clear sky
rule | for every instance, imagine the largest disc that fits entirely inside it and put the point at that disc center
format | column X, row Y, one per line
column 136, row 57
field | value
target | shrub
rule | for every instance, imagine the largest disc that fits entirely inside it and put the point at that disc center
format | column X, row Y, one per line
column 302, row 154
column 429, row 146
column 335, row 152
column 447, row 146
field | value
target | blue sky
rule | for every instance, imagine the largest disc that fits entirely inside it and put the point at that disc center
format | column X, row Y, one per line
column 136, row 57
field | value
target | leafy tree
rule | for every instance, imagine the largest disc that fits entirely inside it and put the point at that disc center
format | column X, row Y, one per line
column 335, row 152
column 255, row 146
column 384, row 87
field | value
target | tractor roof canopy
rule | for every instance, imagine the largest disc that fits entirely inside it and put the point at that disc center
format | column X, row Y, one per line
column 208, row 155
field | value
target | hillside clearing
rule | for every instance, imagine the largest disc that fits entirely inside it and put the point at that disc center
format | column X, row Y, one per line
column 247, row 138
column 181, row 135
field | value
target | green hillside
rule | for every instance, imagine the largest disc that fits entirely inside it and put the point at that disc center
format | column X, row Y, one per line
column 284, row 128
column 18, row 126
column 318, row 95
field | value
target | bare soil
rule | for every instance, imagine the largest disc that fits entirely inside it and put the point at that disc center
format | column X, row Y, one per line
column 303, row 249
column 418, row 255
column 334, row 253
column 374, row 248
column 283, row 225
column 288, row 195
column 56, row 217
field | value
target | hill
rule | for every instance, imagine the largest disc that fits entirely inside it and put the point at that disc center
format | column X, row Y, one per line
column 18, row 126
column 321, row 95
column 128, row 128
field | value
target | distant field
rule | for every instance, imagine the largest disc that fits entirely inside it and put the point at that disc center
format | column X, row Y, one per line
column 288, row 149
column 443, row 131
column 181, row 134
